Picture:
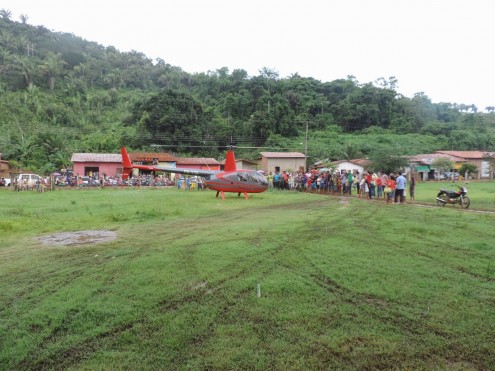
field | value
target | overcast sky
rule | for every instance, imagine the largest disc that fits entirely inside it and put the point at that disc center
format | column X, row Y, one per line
column 444, row 48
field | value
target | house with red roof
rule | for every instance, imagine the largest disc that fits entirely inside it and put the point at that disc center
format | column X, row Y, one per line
column 153, row 159
column 97, row 165
column 484, row 161
column 109, row 164
column 198, row 163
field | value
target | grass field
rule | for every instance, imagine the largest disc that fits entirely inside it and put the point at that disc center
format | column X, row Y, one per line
column 283, row 281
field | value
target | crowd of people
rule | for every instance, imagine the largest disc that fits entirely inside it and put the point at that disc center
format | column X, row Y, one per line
column 369, row 185
column 191, row 183
column 390, row 187
column 40, row 185
column 74, row 181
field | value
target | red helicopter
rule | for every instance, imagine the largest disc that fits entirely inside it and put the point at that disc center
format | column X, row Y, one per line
column 230, row 179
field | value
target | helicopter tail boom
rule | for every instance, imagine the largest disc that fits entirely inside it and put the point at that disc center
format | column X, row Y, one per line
column 126, row 162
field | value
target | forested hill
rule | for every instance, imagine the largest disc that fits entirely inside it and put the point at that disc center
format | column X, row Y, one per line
column 61, row 94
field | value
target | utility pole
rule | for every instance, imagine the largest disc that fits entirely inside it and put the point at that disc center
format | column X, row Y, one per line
column 306, row 149
column 30, row 49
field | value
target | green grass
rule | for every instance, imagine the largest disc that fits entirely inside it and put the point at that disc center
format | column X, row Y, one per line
column 481, row 193
column 344, row 283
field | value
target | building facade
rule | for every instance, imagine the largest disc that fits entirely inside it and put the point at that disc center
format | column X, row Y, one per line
column 98, row 165
column 198, row 163
column 355, row 166
column 274, row 162
column 423, row 167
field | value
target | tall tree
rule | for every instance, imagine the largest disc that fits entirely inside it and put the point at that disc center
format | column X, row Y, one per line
column 386, row 160
column 52, row 67
column 442, row 165
column 5, row 14
column 27, row 66
column 173, row 118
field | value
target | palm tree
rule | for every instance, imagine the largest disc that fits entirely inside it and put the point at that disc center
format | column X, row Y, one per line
column 5, row 58
column 5, row 14
column 114, row 78
column 53, row 67
column 27, row 67
column 23, row 150
column 24, row 18
column 8, row 40
column 350, row 151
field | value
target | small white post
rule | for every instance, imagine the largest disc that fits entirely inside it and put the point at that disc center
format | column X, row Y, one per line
column 258, row 290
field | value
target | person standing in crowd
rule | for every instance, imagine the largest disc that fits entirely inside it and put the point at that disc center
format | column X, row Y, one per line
column 357, row 179
column 343, row 181
column 368, row 178
column 379, row 188
column 373, row 192
column 269, row 177
column 276, row 180
column 361, row 191
column 291, row 184
column 390, row 189
column 384, row 184
column 350, row 180
column 412, row 187
column 366, row 189
column 400, row 188
column 285, row 180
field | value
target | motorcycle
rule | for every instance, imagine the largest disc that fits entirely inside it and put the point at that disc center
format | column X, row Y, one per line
column 460, row 197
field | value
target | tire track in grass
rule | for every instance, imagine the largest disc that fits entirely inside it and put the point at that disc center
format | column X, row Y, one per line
column 406, row 319
column 70, row 357
column 82, row 351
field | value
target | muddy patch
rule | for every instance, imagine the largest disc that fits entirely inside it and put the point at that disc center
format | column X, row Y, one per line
column 78, row 238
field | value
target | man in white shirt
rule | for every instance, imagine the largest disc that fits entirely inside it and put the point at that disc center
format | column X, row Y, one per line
column 400, row 188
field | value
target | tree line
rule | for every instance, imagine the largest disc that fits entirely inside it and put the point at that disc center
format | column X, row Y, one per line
column 62, row 94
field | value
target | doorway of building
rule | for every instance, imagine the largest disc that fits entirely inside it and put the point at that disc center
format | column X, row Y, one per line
column 92, row 171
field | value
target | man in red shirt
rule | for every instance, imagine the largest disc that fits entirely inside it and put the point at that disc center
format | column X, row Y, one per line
column 368, row 177
column 378, row 182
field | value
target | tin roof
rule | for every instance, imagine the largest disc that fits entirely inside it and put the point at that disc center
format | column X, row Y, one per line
column 282, row 154
column 197, row 161
column 96, row 157
column 428, row 158
column 149, row 156
column 467, row 154
column 359, row 161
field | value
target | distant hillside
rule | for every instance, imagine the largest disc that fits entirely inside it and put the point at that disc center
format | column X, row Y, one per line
column 62, row 94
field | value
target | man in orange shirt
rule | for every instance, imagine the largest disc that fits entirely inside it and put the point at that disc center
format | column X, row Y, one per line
column 390, row 184
column 379, row 187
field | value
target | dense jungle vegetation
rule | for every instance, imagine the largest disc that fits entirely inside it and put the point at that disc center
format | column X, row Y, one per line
column 62, row 94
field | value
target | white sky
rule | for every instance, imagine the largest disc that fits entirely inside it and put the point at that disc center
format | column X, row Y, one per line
column 444, row 48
